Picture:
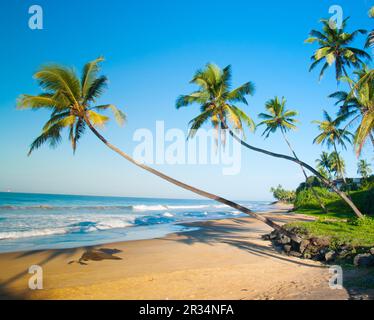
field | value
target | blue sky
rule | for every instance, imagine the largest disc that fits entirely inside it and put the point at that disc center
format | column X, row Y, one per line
column 152, row 49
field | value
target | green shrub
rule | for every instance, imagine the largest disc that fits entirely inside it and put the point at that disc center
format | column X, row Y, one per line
column 363, row 199
column 305, row 198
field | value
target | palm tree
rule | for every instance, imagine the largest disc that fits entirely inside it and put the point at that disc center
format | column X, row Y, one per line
column 72, row 104
column 332, row 135
column 337, row 165
column 210, row 94
column 370, row 39
column 217, row 100
column 334, row 48
column 324, row 164
column 284, row 120
column 363, row 169
column 359, row 106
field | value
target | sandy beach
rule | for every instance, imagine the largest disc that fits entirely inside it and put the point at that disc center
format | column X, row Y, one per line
column 224, row 259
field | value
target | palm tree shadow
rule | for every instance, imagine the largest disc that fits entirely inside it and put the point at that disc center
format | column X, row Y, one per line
column 239, row 234
column 90, row 253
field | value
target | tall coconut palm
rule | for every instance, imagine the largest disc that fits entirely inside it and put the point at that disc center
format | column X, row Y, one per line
column 335, row 48
column 363, row 169
column 212, row 101
column 358, row 106
column 370, row 39
column 324, row 163
column 331, row 135
column 72, row 104
column 279, row 118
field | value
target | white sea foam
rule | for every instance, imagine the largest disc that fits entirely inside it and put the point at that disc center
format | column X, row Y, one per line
column 31, row 233
column 142, row 207
column 168, row 214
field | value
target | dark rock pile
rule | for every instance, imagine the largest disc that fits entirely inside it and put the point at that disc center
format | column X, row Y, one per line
column 320, row 249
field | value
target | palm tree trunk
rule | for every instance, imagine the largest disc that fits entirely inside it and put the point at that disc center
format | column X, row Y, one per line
column 305, row 175
column 200, row 192
column 305, row 165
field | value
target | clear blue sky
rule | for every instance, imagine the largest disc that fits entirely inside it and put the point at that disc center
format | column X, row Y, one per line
column 152, row 49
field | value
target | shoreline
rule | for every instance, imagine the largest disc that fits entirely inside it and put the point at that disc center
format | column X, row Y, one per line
column 223, row 259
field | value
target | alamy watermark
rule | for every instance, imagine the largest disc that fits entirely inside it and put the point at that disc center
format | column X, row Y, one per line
column 36, row 18
column 336, row 20
column 172, row 147
column 336, row 280
column 36, row 280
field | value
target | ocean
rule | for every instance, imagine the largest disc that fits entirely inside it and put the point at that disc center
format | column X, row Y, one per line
column 49, row 221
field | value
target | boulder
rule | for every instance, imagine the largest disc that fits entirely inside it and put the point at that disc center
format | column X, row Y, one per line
column 364, row 260
column 303, row 245
column 284, row 239
column 372, row 251
column 287, row 248
column 330, row 255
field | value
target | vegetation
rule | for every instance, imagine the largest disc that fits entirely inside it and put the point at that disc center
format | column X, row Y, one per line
column 355, row 232
column 283, row 120
column 363, row 169
column 212, row 96
column 305, row 202
column 334, row 48
column 332, row 135
column 283, row 195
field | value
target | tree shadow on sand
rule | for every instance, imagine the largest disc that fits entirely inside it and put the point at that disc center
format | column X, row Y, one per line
column 90, row 253
column 240, row 234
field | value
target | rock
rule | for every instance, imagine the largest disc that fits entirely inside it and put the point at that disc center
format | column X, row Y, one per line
column 372, row 251
column 307, row 255
column 265, row 237
column 303, row 245
column 330, row 255
column 295, row 254
column 287, row 248
column 364, row 260
column 343, row 254
column 284, row 239
column 273, row 235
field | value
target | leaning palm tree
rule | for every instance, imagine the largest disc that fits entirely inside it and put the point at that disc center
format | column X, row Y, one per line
column 279, row 118
column 358, row 105
column 72, row 104
column 370, row 39
column 331, row 135
column 335, row 48
column 213, row 97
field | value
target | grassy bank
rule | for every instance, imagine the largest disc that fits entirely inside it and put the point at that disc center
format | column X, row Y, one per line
column 306, row 203
column 354, row 232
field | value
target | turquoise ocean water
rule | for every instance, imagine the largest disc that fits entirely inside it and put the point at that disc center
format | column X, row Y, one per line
column 46, row 221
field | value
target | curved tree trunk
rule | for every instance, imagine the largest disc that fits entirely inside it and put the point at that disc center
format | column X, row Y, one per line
column 305, row 175
column 193, row 189
column 305, row 165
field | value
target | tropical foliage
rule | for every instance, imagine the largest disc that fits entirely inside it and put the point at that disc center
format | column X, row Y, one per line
column 363, row 169
column 217, row 100
column 335, row 48
column 71, row 100
column 282, row 194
